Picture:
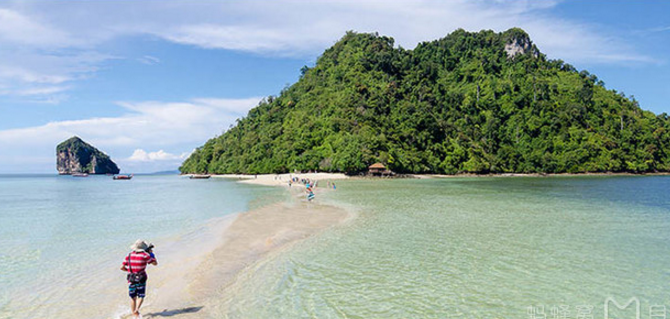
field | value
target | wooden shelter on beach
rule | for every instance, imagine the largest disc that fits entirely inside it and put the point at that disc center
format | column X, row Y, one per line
column 378, row 169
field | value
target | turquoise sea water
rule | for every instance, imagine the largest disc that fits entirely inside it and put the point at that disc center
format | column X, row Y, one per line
column 554, row 247
column 61, row 234
column 474, row 248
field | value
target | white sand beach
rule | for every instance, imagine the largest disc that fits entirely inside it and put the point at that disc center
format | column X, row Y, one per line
column 282, row 179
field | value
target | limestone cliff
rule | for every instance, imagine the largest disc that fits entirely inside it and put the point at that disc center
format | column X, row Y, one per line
column 519, row 43
column 77, row 156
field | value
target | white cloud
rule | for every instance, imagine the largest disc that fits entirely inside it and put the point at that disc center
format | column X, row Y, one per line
column 226, row 37
column 233, row 106
column 42, row 90
column 149, row 60
column 16, row 27
column 170, row 127
column 36, row 51
column 659, row 29
column 140, row 155
column 28, row 76
column 26, row 73
column 152, row 122
column 47, row 46
column 55, row 43
column 307, row 28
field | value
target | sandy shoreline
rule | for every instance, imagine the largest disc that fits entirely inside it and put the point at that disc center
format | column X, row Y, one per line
column 281, row 179
column 424, row 176
column 188, row 284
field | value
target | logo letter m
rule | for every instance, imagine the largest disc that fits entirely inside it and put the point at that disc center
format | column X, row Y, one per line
column 610, row 301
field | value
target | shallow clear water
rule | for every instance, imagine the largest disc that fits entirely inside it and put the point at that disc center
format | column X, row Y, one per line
column 473, row 248
column 439, row 248
column 61, row 235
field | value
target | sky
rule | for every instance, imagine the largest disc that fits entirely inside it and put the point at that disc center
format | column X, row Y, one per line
column 149, row 81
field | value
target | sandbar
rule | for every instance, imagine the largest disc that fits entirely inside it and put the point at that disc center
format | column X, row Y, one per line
column 189, row 287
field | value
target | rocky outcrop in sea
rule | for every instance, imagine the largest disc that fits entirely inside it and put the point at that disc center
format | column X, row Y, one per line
column 76, row 156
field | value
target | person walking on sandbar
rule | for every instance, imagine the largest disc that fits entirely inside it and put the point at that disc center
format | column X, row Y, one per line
column 310, row 192
column 135, row 264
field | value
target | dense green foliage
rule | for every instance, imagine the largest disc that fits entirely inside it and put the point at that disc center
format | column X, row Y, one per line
column 458, row 104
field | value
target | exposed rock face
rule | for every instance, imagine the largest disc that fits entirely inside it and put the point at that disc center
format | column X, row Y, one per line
column 520, row 45
column 77, row 156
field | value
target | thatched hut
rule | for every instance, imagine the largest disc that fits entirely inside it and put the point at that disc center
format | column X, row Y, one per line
column 377, row 169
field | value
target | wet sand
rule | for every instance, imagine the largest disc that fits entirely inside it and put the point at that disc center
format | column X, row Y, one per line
column 188, row 285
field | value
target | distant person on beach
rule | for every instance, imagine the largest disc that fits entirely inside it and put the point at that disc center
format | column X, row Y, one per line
column 135, row 264
column 310, row 192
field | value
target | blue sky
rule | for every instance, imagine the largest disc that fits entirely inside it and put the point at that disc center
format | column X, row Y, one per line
column 148, row 81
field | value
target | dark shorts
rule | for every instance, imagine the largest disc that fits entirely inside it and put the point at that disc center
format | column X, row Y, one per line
column 137, row 290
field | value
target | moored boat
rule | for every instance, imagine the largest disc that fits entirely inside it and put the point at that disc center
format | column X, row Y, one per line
column 200, row 176
column 79, row 175
column 123, row 177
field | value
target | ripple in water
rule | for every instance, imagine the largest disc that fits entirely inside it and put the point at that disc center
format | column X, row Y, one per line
column 471, row 248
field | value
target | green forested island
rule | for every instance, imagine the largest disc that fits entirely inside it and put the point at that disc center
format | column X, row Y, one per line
column 481, row 102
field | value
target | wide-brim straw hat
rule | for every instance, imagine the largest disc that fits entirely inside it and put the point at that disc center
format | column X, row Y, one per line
column 139, row 246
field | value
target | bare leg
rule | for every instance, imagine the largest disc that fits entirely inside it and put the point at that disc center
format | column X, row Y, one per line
column 139, row 304
column 132, row 305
